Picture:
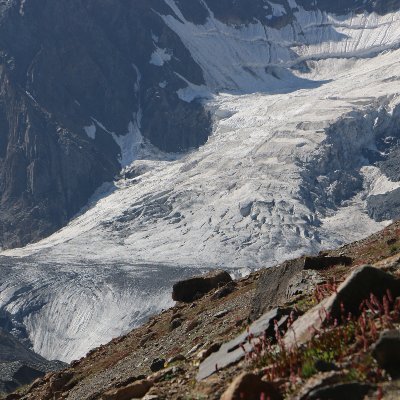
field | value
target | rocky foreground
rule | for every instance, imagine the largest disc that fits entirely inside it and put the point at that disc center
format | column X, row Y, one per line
column 325, row 327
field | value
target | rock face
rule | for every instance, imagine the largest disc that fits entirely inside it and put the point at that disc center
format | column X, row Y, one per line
column 20, row 366
column 193, row 288
column 273, row 285
column 293, row 277
column 384, row 207
column 77, row 79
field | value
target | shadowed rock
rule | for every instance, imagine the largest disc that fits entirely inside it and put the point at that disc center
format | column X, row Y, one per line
column 386, row 351
column 194, row 288
column 321, row 262
column 340, row 391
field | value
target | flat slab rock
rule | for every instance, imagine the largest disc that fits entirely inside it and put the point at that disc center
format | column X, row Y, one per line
column 232, row 352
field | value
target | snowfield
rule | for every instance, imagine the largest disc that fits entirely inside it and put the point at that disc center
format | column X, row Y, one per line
column 287, row 171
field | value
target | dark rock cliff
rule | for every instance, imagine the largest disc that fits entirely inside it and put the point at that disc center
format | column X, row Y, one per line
column 63, row 65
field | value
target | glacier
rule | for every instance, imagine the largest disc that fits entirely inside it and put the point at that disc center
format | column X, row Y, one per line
column 299, row 112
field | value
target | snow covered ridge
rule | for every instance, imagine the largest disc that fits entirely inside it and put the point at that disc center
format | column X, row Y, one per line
column 304, row 119
column 255, row 57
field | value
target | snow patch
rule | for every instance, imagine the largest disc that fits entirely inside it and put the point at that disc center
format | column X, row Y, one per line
column 192, row 91
column 278, row 10
column 160, row 57
column 91, row 131
column 235, row 58
column 377, row 183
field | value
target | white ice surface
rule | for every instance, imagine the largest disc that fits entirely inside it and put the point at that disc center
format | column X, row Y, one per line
column 160, row 56
column 234, row 203
column 91, row 131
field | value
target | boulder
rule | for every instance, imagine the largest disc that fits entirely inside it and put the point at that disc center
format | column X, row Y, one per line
column 250, row 387
column 191, row 289
column 157, row 365
column 59, row 380
column 192, row 325
column 322, row 262
column 361, row 283
column 133, row 391
column 175, row 323
column 386, row 351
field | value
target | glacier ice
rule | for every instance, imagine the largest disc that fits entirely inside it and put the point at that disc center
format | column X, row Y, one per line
column 298, row 113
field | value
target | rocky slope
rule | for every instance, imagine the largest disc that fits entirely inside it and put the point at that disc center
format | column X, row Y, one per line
column 19, row 365
column 183, row 353
column 292, row 111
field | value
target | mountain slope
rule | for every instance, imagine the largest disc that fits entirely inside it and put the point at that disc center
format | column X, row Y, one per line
column 183, row 337
column 302, row 101
column 20, row 366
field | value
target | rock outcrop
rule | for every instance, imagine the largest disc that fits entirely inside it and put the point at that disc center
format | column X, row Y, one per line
column 194, row 288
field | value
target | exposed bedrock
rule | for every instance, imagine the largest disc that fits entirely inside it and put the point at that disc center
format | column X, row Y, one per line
column 75, row 83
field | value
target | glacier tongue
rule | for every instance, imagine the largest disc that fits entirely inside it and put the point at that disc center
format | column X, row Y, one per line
column 287, row 171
